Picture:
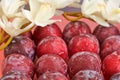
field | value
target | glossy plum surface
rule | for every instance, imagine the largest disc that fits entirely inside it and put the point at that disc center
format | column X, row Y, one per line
column 18, row 63
column 75, row 28
column 51, row 63
column 110, row 45
column 15, row 76
column 27, row 34
column 84, row 61
column 115, row 76
column 102, row 32
column 21, row 45
column 111, row 65
column 52, row 45
column 83, row 42
column 88, row 75
column 49, row 30
column 52, row 76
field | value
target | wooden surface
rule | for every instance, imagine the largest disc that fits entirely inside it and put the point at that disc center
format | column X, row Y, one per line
column 61, row 25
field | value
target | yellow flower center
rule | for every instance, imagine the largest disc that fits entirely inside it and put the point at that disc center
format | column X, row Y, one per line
column 116, row 11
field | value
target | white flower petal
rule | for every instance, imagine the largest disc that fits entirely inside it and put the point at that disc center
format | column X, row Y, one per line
column 92, row 6
column 112, row 11
column 59, row 12
column 1, row 11
column 28, row 15
column 12, row 7
column 99, row 20
column 13, row 28
column 16, row 32
column 42, row 17
column 101, row 11
column 75, row 5
column 45, row 12
column 116, row 18
column 58, row 3
column 19, row 22
column 44, row 23
column 40, row 12
column 88, row 7
column 113, row 3
column 4, row 19
column 34, row 6
column 2, row 25
column 19, row 31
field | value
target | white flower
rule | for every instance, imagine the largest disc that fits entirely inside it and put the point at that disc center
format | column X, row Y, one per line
column 101, row 11
column 75, row 4
column 41, row 11
column 1, row 11
column 58, row 3
column 13, row 28
column 92, row 9
column 12, row 8
column 112, row 11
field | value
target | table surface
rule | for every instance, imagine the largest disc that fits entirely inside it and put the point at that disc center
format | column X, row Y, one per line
column 61, row 25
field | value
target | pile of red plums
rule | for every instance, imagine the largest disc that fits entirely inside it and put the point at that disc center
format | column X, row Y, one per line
column 75, row 54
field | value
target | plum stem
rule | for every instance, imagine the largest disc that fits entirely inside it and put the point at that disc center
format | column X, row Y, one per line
column 1, row 35
column 76, row 15
column 7, row 43
column 5, row 39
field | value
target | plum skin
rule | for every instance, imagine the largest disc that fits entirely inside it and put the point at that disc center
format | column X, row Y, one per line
column 52, row 76
column 115, row 76
column 87, row 75
column 52, row 45
column 84, row 61
column 15, row 76
column 83, row 42
column 75, row 28
column 111, row 65
column 51, row 63
column 20, row 63
column 21, row 45
column 102, row 32
column 110, row 45
column 49, row 30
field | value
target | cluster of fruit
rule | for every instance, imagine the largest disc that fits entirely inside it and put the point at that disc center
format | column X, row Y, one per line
column 77, row 54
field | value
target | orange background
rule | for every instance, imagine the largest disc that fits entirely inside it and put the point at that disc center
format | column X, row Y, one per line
column 61, row 25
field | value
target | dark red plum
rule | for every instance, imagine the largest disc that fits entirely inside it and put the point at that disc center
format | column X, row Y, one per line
column 111, row 65
column 27, row 34
column 15, row 76
column 52, row 76
column 52, row 45
column 110, row 45
column 18, row 63
column 49, row 30
column 83, row 42
column 88, row 75
column 84, row 61
column 102, row 32
column 51, row 63
column 115, row 76
column 21, row 45
column 75, row 28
